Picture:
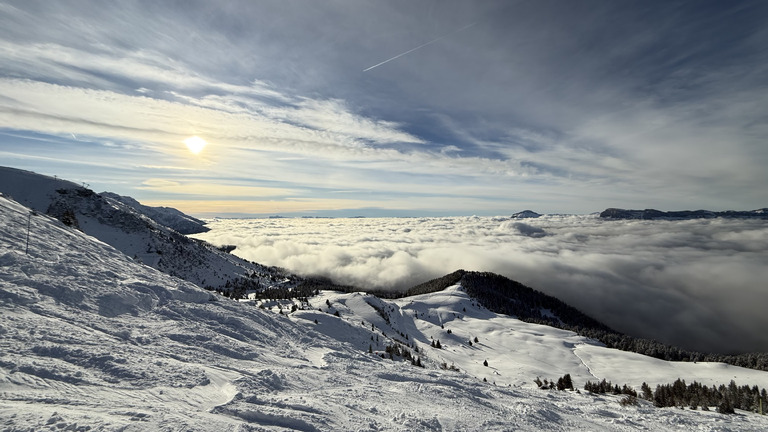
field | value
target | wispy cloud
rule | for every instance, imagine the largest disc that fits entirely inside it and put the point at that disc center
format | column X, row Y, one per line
column 217, row 189
column 544, row 105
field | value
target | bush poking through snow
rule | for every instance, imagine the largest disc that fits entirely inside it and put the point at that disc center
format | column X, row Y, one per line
column 629, row 400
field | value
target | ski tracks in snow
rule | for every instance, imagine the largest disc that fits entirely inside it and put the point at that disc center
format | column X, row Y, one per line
column 575, row 347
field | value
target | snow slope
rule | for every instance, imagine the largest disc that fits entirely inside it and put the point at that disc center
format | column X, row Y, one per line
column 112, row 219
column 516, row 351
column 92, row 340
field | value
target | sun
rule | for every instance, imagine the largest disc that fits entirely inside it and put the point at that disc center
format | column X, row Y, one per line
column 195, row 144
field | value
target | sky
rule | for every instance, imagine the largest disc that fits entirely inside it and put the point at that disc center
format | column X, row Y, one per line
column 697, row 284
column 396, row 108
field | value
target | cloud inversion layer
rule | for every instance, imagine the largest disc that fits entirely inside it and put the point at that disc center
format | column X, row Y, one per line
column 698, row 284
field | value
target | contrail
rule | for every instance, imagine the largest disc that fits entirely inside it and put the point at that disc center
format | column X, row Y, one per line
column 420, row 46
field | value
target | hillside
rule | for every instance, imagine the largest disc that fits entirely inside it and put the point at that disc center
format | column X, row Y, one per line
column 92, row 340
column 505, row 296
column 166, row 216
column 124, row 224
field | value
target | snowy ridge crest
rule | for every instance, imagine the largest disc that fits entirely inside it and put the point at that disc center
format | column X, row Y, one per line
column 123, row 223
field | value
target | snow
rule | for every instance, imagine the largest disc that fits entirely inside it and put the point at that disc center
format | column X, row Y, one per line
column 166, row 216
column 517, row 351
column 113, row 220
column 90, row 339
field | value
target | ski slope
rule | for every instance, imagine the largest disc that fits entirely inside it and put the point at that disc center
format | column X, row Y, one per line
column 91, row 339
column 516, row 351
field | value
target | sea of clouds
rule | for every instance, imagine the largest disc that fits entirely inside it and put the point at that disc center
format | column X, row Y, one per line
column 699, row 284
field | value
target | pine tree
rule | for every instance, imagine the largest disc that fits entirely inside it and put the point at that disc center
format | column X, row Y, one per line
column 646, row 391
column 725, row 407
column 567, row 381
column 485, row 362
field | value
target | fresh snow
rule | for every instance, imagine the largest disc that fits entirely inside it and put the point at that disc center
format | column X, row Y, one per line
column 90, row 339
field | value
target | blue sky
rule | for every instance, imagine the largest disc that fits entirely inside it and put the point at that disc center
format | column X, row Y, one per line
column 550, row 105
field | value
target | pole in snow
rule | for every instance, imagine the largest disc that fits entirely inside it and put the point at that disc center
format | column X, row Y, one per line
column 29, row 223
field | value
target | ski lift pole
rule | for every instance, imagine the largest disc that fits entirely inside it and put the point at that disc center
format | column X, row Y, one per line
column 29, row 223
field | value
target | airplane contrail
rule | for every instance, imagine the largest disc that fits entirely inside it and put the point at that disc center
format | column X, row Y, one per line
column 420, row 46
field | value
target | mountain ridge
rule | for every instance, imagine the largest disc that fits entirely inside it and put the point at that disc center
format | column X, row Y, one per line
column 114, row 220
column 653, row 214
column 168, row 216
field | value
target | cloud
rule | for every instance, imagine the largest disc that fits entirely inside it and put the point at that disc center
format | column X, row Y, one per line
column 240, row 207
column 217, row 190
column 528, row 230
column 543, row 105
column 697, row 284
column 280, row 144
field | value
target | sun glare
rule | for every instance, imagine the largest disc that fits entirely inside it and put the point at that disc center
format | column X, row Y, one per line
column 195, row 144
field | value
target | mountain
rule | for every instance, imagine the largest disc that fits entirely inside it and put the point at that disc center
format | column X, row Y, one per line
column 93, row 340
column 122, row 223
column 615, row 213
column 166, row 216
column 525, row 214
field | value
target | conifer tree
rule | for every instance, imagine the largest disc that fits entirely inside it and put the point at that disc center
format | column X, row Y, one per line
column 646, row 391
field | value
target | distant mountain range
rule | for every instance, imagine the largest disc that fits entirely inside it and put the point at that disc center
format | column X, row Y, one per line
column 651, row 214
column 616, row 213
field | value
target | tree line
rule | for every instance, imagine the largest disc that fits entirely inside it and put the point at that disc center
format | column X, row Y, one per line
column 725, row 398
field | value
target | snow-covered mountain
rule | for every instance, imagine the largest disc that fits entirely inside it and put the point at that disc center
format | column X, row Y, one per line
column 138, row 231
column 93, row 340
column 167, row 216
